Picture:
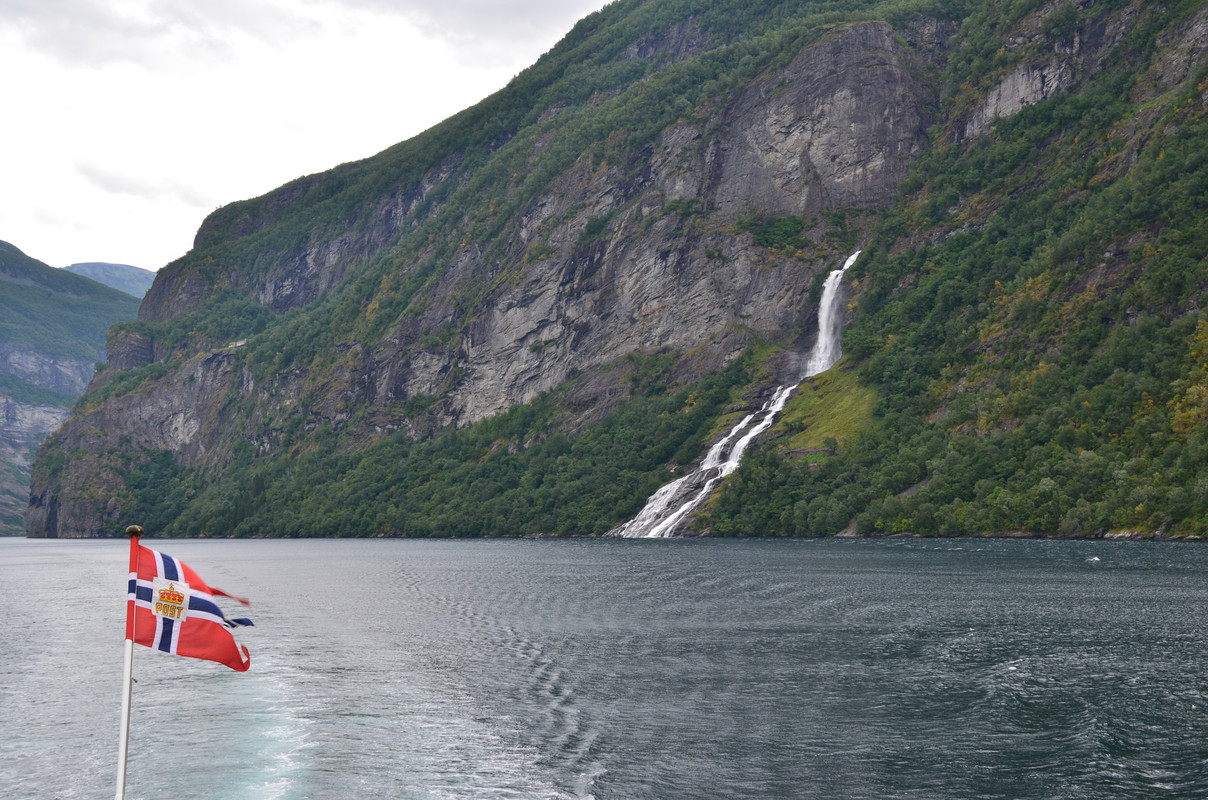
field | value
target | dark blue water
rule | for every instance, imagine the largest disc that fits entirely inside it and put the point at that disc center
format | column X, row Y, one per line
column 624, row 669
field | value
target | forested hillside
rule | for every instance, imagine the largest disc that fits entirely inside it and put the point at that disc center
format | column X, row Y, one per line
column 526, row 319
column 1032, row 309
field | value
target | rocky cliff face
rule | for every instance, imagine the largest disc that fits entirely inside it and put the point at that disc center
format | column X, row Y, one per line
column 1050, row 54
column 181, row 415
column 24, row 424
column 57, row 374
column 318, row 259
column 837, row 128
column 664, row 269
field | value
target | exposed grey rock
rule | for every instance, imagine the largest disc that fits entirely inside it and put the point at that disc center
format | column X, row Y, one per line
column 181, row 415
column 837, row 128
column 1027, row 84
column 127, row 349
column 67, row 376
column 24, row 425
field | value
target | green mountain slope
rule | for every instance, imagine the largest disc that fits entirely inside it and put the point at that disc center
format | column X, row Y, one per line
column 527, row 318
column 55, row 311
column 52, row 333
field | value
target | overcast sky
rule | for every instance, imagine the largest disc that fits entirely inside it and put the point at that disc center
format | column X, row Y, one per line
column 125, row 122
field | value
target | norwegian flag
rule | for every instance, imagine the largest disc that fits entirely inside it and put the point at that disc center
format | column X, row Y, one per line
column 169, row 608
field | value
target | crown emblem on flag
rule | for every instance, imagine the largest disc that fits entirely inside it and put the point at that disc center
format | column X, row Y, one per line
column 171, row 595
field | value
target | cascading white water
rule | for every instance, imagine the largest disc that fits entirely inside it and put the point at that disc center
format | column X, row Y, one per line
column 827, row 346
column 682, row 496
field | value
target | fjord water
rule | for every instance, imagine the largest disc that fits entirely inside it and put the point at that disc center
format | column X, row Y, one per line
column 623, row 668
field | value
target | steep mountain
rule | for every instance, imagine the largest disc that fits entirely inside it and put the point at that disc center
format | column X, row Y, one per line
column 529, row 317
column 133, row 281
column 52, row 334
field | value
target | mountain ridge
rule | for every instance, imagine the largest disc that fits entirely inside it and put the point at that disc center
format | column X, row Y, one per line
column 650, row 210
column 134, row 281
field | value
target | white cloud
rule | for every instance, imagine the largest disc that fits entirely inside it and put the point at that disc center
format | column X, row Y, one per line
column 151, row 33
column 126, row 121
column 486, row 31
column 114, row 182
column 485, row 19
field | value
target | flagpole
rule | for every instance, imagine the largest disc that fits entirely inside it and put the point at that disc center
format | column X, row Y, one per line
column 134, row 531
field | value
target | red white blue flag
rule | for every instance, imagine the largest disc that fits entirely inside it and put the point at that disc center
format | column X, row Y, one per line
column 169, row 608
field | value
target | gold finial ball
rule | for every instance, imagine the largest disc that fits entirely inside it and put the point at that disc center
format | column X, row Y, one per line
column 134, row 530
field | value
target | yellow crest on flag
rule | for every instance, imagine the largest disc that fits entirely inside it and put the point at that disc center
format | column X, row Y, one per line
column 169, row 599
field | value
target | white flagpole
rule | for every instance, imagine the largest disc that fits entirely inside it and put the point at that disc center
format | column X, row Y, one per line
column 124, row 735
column 133, row 532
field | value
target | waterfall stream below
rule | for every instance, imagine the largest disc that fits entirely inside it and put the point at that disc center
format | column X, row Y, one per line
column 669, row 507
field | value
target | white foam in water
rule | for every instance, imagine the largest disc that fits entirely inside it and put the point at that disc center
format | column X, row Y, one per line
column 654, row 521
column 281, row 746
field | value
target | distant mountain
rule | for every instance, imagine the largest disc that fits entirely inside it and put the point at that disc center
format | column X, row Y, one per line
column 133, row 281
column 52, row 334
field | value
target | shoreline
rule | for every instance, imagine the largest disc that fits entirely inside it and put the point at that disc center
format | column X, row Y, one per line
column 1111, row 536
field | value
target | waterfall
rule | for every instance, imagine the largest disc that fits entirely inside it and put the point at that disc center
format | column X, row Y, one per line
column 671, row 504
column 830, row 322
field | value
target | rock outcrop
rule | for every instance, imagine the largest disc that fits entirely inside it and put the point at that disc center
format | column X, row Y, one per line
column 23, row 426
column 58, row 374
column 838, row 128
